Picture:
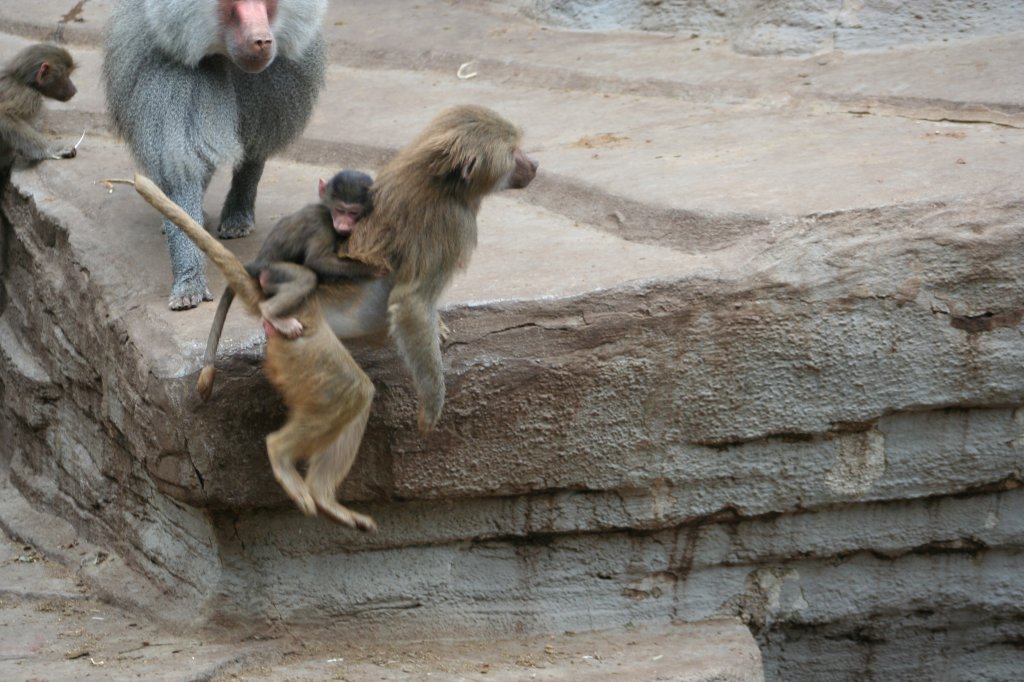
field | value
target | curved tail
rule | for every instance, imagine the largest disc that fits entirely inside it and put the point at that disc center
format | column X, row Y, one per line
column 209, row 371
column 228, row 263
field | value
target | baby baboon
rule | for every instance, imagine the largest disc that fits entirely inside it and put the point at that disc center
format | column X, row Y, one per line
column 313, row 237
column 38, row 71
column 318, row 240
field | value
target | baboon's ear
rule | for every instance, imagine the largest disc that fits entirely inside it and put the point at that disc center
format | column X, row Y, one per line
column 323, row 188
column 42, row 73
column 468, row 166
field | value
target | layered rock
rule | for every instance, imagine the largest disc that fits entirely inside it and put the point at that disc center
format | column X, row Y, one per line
column 750, row 347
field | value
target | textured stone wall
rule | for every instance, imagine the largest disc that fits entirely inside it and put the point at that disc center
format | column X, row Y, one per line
column 832, row 443
column 749, row 347
column 790, row 27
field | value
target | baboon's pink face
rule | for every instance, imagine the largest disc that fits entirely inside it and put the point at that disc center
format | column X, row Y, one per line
column 247, row 33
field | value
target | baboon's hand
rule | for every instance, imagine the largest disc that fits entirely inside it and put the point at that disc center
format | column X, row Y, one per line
column 289, row 327
column 430, row 413
column 66, row 153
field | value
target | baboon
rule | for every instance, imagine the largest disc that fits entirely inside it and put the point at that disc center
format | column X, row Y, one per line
column 38, row 71
column 313, row 237
column 192, row 85
column 423, row 225
column 327, row 395
column 316, row 239
column 328, row 398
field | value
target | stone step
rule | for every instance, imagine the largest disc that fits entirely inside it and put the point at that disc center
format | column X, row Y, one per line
column 745, row 138
column 749, row 348
column 57, row 629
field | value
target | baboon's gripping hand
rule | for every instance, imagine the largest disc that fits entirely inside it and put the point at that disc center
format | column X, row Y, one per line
column 414, row 327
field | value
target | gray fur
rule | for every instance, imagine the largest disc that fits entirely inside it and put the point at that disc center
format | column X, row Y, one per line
column 184, row 109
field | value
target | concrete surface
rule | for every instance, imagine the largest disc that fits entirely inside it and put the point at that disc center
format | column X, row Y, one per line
column 749, row 347
column 789, row 27
column 52, row 629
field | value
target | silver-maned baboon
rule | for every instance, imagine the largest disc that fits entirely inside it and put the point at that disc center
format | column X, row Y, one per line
column 196, row 84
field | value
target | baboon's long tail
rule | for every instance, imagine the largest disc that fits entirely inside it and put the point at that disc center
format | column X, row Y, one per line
column 234, row 271
column 209, row 371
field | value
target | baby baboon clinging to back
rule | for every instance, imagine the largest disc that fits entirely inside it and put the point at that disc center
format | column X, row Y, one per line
column 312, row 242
column 316, row 240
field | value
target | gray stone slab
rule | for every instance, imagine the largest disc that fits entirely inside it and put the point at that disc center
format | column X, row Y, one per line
column 749, row 347
column 54, row 628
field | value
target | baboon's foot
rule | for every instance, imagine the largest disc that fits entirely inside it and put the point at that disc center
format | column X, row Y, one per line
column 189, row 294
column 340, row 514
column 234, row 227
column 288, row 327
column 295, row 486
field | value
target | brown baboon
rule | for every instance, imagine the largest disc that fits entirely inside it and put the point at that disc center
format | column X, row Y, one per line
column 327, row 395
column 423, row 225
column 314, row 237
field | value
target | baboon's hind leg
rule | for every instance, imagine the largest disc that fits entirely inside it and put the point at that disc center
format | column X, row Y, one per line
column 281, row 450
column 329, row 468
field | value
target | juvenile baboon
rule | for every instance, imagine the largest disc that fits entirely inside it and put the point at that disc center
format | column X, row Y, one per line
column 327, row 395
column 196, row 84
column 38, row 71
column 424, row 225
column 314, row 237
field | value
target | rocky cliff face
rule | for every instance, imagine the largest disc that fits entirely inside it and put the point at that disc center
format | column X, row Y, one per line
column 750, row 347
column 804, row 454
